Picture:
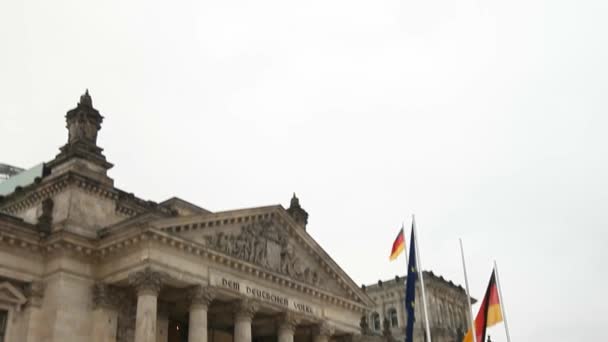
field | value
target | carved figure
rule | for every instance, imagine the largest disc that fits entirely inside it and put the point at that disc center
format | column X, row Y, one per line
column 365, row 330
column 264, row 244
column 288, row 261
column 45, row 220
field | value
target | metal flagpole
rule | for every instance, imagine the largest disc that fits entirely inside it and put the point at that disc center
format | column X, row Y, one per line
column 466, row 282
column 418, row 263
column 404, row 247
column 502, row 302
column 407, row 264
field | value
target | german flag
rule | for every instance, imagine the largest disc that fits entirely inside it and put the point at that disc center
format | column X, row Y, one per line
column 398, row 245
column 489, row 312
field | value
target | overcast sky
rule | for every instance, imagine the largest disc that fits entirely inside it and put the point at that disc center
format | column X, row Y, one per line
column 485, row 118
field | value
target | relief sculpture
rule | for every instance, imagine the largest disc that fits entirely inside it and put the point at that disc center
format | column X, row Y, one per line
column 264, row 244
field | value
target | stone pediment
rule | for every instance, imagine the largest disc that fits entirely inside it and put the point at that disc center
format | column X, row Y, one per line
column 183, row 208
column 12, row 295
column 271, row 240
column 265, row 244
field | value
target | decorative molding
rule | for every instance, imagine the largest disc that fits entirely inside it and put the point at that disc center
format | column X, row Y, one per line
column 285, row 222
column 201, row 296
column 16, row 241
column 63, row 242
column 34, row 292
column 195, row 248
column 126, row 203
column 323, row 329
column 147, row 281
column 10, row 294
column 265, row 244
column 288, row 321
column 245, row 309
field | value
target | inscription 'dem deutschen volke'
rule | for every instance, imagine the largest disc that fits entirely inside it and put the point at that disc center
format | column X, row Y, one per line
column 267, row 296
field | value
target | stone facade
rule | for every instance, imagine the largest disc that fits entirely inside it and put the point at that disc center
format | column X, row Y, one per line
column 447, row 309
column 81, row 260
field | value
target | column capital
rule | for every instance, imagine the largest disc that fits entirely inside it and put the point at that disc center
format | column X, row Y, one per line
column 245, row 308
column 288, row 321
column 147, row 281
column 323, row 329
column 34, row 292
column 201, row 296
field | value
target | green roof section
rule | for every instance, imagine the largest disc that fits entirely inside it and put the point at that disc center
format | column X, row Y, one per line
column 21, row 179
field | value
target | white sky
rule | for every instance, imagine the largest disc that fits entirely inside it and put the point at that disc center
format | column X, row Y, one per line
column 485, row 118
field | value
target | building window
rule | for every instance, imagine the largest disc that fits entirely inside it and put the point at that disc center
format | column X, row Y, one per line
column 3, row 324
column 375, row 321
column 392, row 316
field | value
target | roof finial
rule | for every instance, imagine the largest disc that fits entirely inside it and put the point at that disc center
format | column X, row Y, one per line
column 295, row 201
column 296, row 212
column 85, row 99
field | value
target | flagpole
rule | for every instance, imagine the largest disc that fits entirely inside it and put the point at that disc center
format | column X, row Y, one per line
column 466, row 282
column 420, row 272
column 502, row 302
column 404, row 248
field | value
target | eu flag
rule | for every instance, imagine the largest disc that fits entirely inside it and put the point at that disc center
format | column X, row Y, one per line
column 410, row 290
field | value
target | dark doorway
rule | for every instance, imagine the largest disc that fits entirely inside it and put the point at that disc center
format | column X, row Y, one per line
column 178, row 331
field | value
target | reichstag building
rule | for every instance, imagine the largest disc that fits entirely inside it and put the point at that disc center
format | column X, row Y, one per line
column 81, row 260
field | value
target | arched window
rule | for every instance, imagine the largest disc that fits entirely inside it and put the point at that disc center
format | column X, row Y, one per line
column 376, row 321
column 392, row 316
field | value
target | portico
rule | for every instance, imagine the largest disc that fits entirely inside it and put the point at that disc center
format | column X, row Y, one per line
column 82, row 260
column 209, row 296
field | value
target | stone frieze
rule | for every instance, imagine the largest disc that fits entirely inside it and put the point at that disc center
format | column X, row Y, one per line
column 266, row 245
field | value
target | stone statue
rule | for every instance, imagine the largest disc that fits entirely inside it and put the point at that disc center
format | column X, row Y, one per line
column 45, row 220
column 288, row 261
column 84, row 121
column 364, row 325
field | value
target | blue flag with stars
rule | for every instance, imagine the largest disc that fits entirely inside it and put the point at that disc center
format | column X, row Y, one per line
column 410, row 291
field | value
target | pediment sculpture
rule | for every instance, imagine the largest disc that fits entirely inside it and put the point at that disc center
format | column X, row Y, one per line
column 266, row 245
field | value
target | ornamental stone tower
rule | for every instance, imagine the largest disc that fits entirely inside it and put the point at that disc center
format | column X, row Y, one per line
column 82, row 197
column 297, row 213
column 81, row 151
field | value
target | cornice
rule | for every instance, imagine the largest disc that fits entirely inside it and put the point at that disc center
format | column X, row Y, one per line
column 280, row 216
column 8, row 239
column 116, row 244
column 126, row 203
column 64, row 241
column 28, row 197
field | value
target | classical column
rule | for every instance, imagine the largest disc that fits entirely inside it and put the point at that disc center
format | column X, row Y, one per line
column 105, row 315
column 147, row 283
column 322, row 332
column 33, row 319
column 287, row 327
column 243, row 314
column 200, row 298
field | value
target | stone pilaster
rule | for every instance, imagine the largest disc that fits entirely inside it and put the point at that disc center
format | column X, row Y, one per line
column 148, row 284
column 287, row 327
column 32, row 315
column 105, row 313
column 322, row 332
column 200, row 299
column 244, row 311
